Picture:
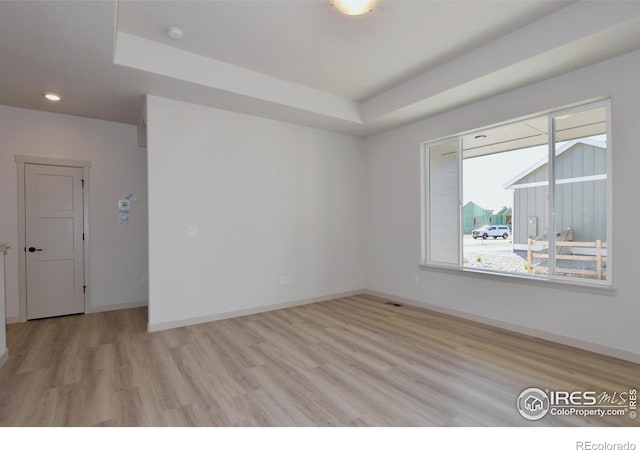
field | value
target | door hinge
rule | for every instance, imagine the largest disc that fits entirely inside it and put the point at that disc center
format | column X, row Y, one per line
column 84, row 289
column 82, row 183
column 83, row 236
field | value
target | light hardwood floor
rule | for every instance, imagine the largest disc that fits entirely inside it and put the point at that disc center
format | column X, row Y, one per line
column 355, row 361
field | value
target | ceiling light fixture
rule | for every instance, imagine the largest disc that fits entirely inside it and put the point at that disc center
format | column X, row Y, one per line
column 175, row 33
column 481, row 136
column 52, row 97
column 353, row 7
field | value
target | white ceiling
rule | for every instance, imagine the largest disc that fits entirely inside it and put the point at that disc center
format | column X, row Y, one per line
column 298, row 61
column 309, row 43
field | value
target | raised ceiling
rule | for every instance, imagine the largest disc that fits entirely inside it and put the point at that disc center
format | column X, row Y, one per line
column 299, row 61
column 309, row 43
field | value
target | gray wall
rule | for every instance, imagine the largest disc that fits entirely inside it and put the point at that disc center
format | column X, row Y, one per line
column 580, row 205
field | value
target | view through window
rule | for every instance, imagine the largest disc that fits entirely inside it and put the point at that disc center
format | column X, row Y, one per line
column 490, row 205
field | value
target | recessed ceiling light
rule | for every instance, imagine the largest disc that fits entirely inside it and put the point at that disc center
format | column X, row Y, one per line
column 353, row 7
column 175, row 33
column 481, row 136
column 52, row 97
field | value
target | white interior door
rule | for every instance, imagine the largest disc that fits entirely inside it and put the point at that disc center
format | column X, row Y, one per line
column 54, row 240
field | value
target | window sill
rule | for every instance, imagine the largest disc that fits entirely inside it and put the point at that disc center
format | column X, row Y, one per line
column 523, row 279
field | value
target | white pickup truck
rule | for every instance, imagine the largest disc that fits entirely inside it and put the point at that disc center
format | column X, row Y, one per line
column 494, row 231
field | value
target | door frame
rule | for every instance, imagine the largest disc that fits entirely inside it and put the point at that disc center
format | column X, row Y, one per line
column 22, row 259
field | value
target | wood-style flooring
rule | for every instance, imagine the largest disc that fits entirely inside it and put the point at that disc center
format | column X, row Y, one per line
column 356, row 361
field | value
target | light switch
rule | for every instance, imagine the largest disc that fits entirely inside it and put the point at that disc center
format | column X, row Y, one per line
column 192, row 230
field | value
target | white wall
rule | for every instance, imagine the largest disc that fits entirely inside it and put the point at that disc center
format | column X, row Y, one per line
column 269, row 199
column 118, row 167
column 601, row 322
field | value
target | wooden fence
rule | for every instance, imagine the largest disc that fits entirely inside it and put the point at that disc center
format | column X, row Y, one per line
column 598, row 258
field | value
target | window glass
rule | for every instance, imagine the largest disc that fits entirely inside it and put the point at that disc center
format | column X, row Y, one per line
column 509, row 218
column 580, row 194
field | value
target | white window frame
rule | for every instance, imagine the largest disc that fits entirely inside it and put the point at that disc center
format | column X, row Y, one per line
column 551, row 277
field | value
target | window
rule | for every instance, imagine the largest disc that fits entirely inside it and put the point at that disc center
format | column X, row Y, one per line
column 489, row 205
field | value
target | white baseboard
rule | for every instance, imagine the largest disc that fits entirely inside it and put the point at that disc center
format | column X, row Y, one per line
column 4, row 357
column 548, row 336
column 96, row 309
column 116, row 307
column 151, row 327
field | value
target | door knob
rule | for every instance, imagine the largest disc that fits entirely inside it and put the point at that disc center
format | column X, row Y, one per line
column 33, row 249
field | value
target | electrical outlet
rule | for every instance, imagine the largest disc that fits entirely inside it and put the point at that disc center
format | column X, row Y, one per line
column 416, row 278
column 145, row 280
column 287, row 280
column 282, row 280
column 192, row 230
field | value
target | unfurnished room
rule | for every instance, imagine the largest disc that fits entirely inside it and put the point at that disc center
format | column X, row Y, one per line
column 322, row 213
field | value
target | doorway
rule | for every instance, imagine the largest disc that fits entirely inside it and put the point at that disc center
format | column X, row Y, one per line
column 53, row 234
